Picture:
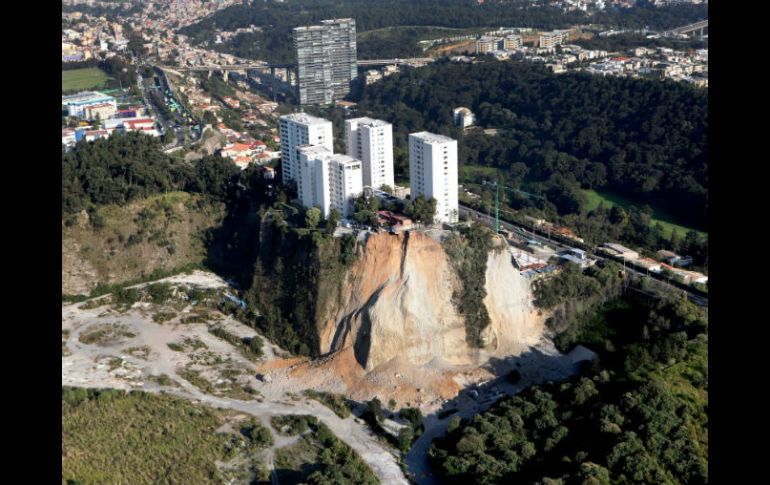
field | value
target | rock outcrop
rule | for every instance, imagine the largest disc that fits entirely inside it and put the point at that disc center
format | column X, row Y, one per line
column 397, row 305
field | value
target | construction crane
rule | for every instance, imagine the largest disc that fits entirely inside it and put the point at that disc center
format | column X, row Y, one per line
column 497, row 199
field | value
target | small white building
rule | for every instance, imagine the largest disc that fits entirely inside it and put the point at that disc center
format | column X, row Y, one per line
column 464, row 117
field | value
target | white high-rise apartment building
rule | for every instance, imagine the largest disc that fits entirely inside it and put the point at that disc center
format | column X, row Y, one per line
column 371, row 141
column 301, row 129
column 433, row 172
column 329, row 181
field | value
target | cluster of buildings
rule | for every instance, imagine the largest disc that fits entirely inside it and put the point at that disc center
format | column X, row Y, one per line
column 156, row 21
column 512, row 41
column 87, row 37
column 331, row 180
column 98, row 117
column 670, row 261
column 244, row 153
column 243, row 149
column 658, row 63
column 598, row 5
column 373, row 75
column 655, row 63
column 326, row 60
column 663, row 3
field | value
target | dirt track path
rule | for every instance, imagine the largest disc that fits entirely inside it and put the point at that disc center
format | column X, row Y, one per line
column 88, row 365
column 541, row 363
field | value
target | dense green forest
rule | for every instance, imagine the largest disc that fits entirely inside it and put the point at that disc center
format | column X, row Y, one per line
column 624, row 42
column 128, row 166
column 276, row 20
column 561, row 134
column 645, row 139
column 638, row 415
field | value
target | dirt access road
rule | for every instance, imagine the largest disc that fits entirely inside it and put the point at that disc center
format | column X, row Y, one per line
column 540, row 364
column 115, row 362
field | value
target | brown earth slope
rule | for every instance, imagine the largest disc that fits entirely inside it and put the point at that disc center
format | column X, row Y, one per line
column 395, row 332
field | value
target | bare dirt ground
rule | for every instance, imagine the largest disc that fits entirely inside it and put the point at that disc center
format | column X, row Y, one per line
column 141, row 359
column 132, row 352
column 468, row 46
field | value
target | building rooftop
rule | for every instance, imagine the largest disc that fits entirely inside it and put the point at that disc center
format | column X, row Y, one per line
column 84, row 96
column 618, row 247
column 364, row 120
column 305, row 118
column 428, row 137
column 318, row 150
column 343, row 159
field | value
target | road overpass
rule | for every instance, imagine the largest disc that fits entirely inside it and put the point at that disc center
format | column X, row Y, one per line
column 414, row 61
column 686, row 29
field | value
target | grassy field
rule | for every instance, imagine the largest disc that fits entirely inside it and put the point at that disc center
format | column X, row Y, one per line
column 139, row 438
column 658, row 216
column 82, row 79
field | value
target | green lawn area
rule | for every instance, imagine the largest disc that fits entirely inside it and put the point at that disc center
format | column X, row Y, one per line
column 83, row 79
column 658, row 215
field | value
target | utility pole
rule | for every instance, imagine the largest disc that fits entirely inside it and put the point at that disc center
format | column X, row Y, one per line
column 497, row 207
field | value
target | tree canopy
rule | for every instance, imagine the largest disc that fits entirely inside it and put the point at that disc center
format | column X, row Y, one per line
column 645, row 139
column 638, row 416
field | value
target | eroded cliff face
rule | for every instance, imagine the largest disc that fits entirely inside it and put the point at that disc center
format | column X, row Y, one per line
column 397, row 306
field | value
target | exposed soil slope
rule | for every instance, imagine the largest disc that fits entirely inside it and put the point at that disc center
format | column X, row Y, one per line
column 397, row 302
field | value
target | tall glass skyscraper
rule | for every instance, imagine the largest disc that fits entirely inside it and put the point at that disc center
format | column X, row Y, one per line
column 326, row 60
